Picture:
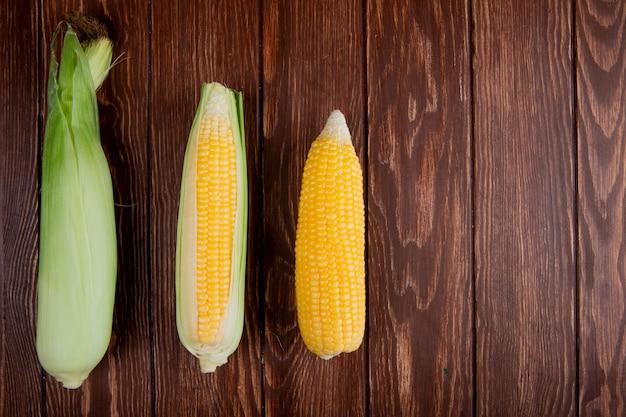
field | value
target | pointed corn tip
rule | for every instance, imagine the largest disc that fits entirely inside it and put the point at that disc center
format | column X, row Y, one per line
column 337, row 127
column 219, row 100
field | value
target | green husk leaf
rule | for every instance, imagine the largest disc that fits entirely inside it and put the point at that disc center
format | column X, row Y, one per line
column 77, row 242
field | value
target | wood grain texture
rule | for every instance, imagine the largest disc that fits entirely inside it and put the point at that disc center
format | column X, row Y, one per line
column 20, row 131
column 195, row 42
column 524, row 212
column 419, row 209
column 121, row 384
column 492, row 136
column 601, row 101
column 312, row 64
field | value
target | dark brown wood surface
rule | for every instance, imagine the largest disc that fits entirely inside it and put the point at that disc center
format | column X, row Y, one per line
column 525, row 235
column 492, row 138
column 601, row 111
column 20, row 128
column 419, row 209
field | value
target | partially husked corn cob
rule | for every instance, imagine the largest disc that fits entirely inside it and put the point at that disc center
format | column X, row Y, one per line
column 77, row 240
column 330, row 244
column 212, row 230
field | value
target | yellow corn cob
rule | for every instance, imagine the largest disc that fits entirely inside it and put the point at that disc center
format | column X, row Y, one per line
column 211, row 246
column 330, row 244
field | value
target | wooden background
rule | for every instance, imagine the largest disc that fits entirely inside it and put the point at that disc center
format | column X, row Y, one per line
column 492, row 136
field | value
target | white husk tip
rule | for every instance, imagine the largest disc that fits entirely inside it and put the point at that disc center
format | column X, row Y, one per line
column 337, row 127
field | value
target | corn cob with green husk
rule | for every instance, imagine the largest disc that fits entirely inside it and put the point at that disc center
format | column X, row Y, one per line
column 77, row 242
column 330, row 244
column 212, row 230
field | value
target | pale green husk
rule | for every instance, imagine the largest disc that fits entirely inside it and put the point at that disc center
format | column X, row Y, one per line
column 211, row 356
column 77, row 242
column 99, row 54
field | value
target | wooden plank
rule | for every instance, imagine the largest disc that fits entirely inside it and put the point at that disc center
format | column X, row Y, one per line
column 312, row 64
column 20, row 373
column 524, row 209
column 195, row 42
column 601, row 105
column 121, row 384
column 419, row 209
